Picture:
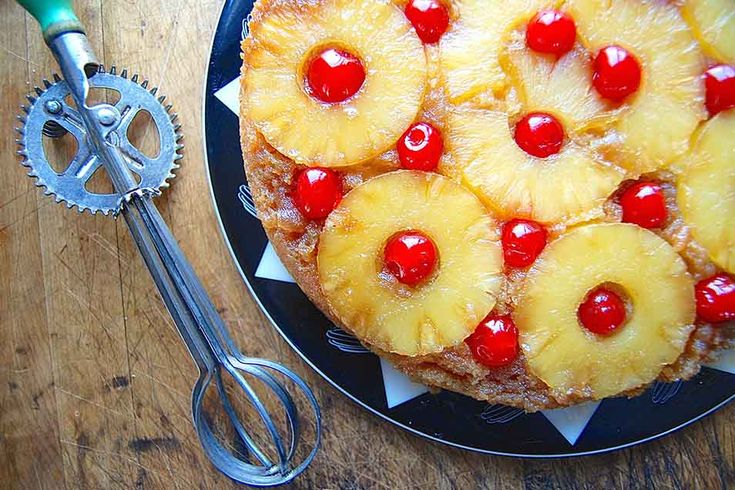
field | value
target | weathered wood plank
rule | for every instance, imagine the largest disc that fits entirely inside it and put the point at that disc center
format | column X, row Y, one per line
column 85, row 321
column 27, row 400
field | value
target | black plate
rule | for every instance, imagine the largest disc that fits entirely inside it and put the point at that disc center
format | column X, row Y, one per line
column 447, row 417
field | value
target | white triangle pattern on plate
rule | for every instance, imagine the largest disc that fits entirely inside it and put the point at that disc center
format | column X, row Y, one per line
column 271, row 267
column 398, row 387
column 726, row 362
column 570, row 422
column 229, row 95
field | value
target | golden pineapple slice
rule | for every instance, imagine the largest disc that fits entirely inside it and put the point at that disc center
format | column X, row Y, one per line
column 571, row 359
column 569, row 186
column 706, row 189
column 713, row 22
column 472, row 46
column 561, row 86
column 287, row 37
column 370, row 302
column 662, row 115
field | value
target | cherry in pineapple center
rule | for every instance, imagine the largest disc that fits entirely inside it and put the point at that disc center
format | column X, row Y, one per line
column 411, row 257
column 334, row 75
column 603, row 311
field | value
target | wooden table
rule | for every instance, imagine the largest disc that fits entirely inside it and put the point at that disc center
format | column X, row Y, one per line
column 94, row 380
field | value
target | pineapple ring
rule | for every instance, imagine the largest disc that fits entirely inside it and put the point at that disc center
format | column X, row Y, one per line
column 706, row 190
column 314, row 133
column 546, row 85
column 713, row 22
column 470, row 50
column 660, row 118
column 371, row 303
column 487, row 159
column 572, row 360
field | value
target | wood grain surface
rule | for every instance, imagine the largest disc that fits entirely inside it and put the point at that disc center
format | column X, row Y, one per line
column 94, row 380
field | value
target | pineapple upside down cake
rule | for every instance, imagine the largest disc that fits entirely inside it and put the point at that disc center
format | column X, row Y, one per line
column 529, row 202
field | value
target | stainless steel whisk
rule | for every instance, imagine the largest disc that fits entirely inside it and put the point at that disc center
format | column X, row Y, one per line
column 102, row 141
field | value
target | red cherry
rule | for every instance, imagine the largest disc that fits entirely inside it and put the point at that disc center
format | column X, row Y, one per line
column 719, row 83
column 644, row 205
column 539, row 134
column 430, row 18
column 552, row 32
column 617, row 73
column 495, row 341
column 335, row 75
column 716, row 298
column 410, row 256
column 523, row 240
column 317, row 191
column 602, row 312
column 420, row 147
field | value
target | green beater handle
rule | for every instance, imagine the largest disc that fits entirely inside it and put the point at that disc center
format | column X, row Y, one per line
column 55, row 16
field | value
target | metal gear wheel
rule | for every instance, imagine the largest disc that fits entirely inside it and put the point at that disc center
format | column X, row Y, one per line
column 49, row 114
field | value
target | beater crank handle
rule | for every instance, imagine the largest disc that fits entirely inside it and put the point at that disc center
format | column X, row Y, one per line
column 64, row 34
column 56, row 17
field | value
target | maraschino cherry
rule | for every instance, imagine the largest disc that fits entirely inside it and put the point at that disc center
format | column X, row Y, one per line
column 716, row 298
column 523, row 240
column 644, row 205
column 430, row 18
column 317, row 191
column 551, row 32
column 334, row 76
column 495, row 341
column 420, row 147
column 539, row 134
column 410, row 256
column 602, row 311
column 719, row 83
column 617, row 73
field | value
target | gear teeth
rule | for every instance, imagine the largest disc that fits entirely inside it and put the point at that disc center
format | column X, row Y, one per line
column 31, row 99
column 21, row 153
column 161, row 99
column 38, row 90
column 177, row 126
column 154, row 91
column 25, row 108
column 124, row 73
column 179, row 147
column 113, row 70
column 20, row 131
column 168, row 107
column 57, row 78
column 101, row 69
column 174, row 116
column 20, row 118
column 46, row 83
column 144, row 84
column 135, row 78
